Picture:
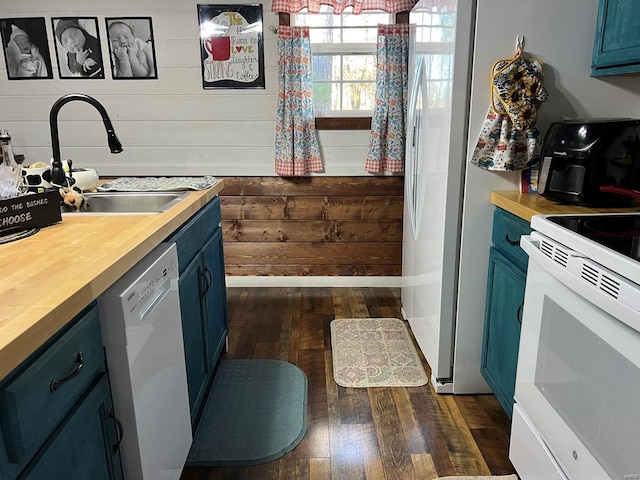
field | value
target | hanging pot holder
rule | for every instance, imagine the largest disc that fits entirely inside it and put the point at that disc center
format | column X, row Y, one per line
column 518, row 87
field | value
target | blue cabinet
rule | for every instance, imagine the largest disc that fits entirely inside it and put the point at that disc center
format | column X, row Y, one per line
column 215, row 297
column 616, row 48
column 505, row 294
column 84, row 446
column 503, row 311
column 193, row 324
column 56, row 412
column 203, row 305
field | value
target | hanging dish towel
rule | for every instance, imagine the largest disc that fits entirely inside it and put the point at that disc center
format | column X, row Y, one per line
column 502, row 147
column 509, row 139
column 157, row 184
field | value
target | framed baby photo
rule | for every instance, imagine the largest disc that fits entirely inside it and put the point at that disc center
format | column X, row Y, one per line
column 78, row 49
column 231, row 46
column 131, row 48
column 26, row 49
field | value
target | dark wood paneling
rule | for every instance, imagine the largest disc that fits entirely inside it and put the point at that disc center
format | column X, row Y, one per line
column 311, row 208
column 312, row 254
column 314, row 231
column 320, row 226
column 312, row 186
column 246, row 269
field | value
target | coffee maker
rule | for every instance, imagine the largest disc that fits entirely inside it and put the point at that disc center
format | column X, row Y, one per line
column 594, row 162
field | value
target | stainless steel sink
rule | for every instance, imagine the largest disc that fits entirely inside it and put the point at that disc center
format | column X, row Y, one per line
column 119, row 203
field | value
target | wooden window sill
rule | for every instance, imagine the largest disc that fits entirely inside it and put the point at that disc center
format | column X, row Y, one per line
column 343, row 123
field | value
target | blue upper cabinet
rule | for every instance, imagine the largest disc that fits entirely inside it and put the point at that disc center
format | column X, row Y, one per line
column 616, row 48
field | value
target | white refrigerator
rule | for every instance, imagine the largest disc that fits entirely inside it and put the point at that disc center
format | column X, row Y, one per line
column 448, row 214
column 441, row 66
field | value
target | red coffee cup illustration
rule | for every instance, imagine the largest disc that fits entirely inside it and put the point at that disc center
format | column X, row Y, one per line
column 218, row 47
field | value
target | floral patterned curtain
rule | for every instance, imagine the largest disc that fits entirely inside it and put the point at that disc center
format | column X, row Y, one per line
column 388, row 135
column 313, row 6
column 297, row 150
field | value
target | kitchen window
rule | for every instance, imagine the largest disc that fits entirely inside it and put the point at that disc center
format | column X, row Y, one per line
column 343, row 55
column 343, row 51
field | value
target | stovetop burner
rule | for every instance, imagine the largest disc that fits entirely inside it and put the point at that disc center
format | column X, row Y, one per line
column 617, row 232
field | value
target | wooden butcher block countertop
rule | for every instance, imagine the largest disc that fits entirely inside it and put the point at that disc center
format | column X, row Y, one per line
column 48, row 278
column 525, row 205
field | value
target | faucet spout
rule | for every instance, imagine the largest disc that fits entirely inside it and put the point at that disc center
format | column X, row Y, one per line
column 57, row 171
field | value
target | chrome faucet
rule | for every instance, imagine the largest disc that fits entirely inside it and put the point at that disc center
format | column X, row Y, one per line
column 58, row 176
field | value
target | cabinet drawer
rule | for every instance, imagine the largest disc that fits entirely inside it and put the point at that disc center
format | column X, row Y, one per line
column 45, row 388
column 507, row 230
column 190, row 238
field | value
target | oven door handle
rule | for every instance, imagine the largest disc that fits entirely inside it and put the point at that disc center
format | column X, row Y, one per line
column 529, row 244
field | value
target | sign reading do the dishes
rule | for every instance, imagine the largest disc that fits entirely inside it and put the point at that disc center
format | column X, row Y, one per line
column 30, row 211
column 231, row 46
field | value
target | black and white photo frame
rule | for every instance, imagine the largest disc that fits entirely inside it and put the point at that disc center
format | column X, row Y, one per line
column 131, row 48
column 78, row 49
column 26, row 49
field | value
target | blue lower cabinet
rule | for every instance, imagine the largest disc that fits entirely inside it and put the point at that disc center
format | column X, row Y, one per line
column 503, row 318
column 203, row 305
column 56, row 415
column 215, row 298
column 86, row 444
column 191, row 285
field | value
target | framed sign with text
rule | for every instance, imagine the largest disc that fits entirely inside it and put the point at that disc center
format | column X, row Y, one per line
column 231, row 46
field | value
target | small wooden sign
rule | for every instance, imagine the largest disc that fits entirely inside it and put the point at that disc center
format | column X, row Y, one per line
column 30, row 211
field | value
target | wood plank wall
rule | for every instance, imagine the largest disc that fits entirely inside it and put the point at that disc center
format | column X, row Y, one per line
column 312, row 226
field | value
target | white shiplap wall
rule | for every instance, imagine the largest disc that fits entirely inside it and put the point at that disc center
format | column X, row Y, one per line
column 168, row 126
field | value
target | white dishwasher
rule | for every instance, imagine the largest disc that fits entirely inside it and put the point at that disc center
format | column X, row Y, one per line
column 142, row 332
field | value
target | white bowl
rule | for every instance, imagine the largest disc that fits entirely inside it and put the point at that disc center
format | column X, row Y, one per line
column 86, row 178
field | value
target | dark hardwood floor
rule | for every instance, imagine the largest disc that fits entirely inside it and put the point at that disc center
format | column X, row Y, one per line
column 357, row 433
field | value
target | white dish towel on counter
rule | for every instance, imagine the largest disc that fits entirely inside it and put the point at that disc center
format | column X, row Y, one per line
column 157, row 184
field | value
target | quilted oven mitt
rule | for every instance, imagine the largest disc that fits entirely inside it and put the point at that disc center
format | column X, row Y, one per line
column 520, row 90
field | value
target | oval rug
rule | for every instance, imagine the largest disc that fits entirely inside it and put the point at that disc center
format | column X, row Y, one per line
column 256, row 412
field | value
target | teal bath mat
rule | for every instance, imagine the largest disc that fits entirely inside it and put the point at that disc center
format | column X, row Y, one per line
column 256, row 412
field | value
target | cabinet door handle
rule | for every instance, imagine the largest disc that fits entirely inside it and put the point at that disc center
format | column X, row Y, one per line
column 519, row 313
column 74, row 373
column 119, row 430
column 207, row 279
column 205, row 286
column 515, row 243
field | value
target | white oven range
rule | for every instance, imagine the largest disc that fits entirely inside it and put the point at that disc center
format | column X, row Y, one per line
column 577, row 410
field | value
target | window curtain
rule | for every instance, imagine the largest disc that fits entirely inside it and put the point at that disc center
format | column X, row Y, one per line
column 313, row 6
column 297, row 150
column 388, row 123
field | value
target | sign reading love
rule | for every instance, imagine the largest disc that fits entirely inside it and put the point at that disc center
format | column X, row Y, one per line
column 244, row 48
